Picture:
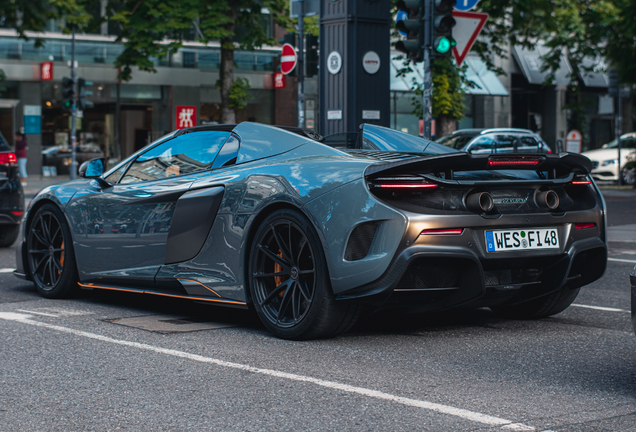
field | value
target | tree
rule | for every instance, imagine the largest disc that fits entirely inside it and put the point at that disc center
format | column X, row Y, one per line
column 156, row 28
column 598, row 29
column 603, row 29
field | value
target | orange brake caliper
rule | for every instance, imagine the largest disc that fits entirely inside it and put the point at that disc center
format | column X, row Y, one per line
column 62, row 257
column 279, row 279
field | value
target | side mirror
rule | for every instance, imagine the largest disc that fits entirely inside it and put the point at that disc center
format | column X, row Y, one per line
column 92, row 169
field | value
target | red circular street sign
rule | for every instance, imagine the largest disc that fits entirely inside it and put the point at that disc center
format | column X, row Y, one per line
column 288, row 59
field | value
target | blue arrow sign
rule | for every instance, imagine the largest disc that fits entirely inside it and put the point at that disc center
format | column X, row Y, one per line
column 401, row 16
column 465, row 5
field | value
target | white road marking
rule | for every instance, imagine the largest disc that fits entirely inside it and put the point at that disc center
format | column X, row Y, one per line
column 38, row 313
column 55, row 312
column 443, row 409
column 621, row 260
column 608, row 309
column 6, row 270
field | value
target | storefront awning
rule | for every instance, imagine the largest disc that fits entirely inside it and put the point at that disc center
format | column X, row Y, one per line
column 531, row 63
column 596, row 77
column 9, row 103
column 487, row 81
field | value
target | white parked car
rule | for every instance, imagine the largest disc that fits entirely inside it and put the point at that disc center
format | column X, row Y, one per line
column 605, row 160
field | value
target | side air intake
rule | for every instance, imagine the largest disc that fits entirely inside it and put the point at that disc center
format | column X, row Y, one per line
column 360, row 241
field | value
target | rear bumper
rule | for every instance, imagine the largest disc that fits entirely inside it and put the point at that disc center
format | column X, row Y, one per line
column 432, row 278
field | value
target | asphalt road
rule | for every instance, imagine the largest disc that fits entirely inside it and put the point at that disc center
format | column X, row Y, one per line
column 116, row 361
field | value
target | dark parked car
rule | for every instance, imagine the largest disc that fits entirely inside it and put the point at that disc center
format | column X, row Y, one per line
column 255, row 216
column 60, row 157
column 500, row 140
column 11, row 195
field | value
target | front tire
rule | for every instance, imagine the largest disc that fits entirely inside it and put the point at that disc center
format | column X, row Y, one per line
column 51, row 259
column 540, row 307
column 629, row 176
column 289, row 282
column 8, row 235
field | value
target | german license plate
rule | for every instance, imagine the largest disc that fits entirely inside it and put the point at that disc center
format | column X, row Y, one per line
column 522, row 239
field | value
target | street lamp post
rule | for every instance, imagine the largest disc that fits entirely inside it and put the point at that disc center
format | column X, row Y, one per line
column 73, row 110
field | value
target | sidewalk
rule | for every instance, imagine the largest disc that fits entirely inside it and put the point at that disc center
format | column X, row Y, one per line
column 35, row 183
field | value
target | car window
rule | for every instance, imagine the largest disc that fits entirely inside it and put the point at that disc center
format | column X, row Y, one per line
column 455, row 141
column 4, row 145
column 528, row 144
column 506, row 143
column 184, row 154
column 228, row 154
column 116, row 175
column 482, row 145
column 628, row 143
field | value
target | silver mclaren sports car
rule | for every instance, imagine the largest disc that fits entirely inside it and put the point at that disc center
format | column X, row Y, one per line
column 269, row 218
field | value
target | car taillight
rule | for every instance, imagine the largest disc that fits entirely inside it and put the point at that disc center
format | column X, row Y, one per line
column 584, row 225
column 405, row 183
column 8, row 158
column 519, row 161
column 448, row 231
column 581, row 180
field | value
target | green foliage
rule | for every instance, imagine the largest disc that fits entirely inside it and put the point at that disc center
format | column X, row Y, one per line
column 25, row 15
column 153, row 29
column 312, row 24
column 448, row 84
column 581, row 28
column 239, row 93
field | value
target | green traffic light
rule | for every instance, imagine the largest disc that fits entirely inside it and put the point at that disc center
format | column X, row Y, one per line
column 443, row 45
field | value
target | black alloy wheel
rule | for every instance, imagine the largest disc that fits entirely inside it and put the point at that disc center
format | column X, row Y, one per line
column 50, row 254
column 289, row 281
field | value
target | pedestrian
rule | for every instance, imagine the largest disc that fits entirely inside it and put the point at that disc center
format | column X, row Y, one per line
column 21, row 145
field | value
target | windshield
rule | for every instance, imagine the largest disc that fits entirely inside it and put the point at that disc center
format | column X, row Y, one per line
column 385, row 139
column 628, row 142
column 4, row 145
column 455, row 141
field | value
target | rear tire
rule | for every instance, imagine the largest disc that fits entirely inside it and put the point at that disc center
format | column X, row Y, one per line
column 289, row 281
column 50, row 254
column 540, row 307
column 8, row 235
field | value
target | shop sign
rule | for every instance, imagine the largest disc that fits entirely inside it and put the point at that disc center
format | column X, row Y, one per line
column 186, row 116
column 573, row 141
column 32, row 119
column 46, row 71
column 280, row 80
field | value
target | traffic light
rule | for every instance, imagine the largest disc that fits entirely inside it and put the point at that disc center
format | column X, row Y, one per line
column 68, row 94
column 82, row 93
column 443, row 23
column 312, row 55
column 289, row 38
column 413, row 26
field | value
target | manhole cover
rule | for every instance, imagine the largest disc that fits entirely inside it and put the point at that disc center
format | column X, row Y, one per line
column 168, row 323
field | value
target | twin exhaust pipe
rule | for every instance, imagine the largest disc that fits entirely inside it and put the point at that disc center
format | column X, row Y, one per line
column 482, row 202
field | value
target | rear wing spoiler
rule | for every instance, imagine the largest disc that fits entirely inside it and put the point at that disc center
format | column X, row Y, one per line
column 556, row 165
